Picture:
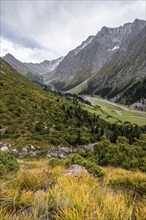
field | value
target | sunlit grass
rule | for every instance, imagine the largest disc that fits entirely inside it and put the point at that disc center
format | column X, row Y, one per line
column 38, row 192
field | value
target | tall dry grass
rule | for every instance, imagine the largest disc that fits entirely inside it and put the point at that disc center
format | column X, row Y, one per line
column 38, row 192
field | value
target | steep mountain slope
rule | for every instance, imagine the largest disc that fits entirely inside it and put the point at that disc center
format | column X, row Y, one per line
column 123, row 76
column 16, row 64
column 29, row 114
column 83, row 62
column 110, row 64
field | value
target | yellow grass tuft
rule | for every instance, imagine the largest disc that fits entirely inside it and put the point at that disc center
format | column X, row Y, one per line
column 39, row 192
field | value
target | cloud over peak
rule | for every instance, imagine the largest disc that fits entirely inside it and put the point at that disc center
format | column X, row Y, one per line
column 37, row 30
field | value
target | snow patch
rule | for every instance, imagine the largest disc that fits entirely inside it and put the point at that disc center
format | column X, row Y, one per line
column 54, row 63
column 114, row 48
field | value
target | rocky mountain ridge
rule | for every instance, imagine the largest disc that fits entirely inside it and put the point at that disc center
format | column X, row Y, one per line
column 33, row 71
column 110, row 64
column 123, row 77
column 44, row 67
column 84, row 61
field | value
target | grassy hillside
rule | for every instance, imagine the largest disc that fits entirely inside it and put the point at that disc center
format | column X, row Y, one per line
column 31, row 115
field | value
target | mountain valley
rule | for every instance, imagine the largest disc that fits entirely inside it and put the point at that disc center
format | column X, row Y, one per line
column 110, row 64
column 73, row 131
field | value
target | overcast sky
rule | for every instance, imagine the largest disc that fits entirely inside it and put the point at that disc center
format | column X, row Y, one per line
column 35, row 30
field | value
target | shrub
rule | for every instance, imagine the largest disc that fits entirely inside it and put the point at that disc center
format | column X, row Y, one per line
column 55, row 162
column 127, row 180
column 91, row 166
column 122, row 154
column 8, row 163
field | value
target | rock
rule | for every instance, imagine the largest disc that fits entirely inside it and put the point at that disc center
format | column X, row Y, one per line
column 14, row 150
column 3, row 130
column 32, row 147
column 33, row 153
column 75, row 169
column 24, row 166
column 38, row 193
column 24, row 149
column 2, row 72
column 4, row 148
column 60, row 152
column 62, row 156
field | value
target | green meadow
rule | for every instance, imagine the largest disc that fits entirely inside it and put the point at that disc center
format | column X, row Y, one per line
column 114, row 112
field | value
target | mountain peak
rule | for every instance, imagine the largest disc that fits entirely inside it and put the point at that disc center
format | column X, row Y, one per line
column 9, row 55
column 104, row 28
column 10, row 59
column 139, row 20
column 136, row 22
column 139, row 23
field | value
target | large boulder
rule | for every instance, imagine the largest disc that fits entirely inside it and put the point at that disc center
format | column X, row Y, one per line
column 75, row 169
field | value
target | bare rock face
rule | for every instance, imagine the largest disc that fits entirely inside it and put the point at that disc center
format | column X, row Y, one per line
column 110, row 64
column 86, row 60
column 123, row 76
column 75, row 170
column 43, row 67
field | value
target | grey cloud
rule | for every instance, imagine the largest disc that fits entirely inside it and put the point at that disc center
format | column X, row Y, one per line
column 21, row 40
column 59, row 26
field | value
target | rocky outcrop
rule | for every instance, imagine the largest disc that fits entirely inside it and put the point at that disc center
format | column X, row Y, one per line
column 35, row 151
column 75, row 170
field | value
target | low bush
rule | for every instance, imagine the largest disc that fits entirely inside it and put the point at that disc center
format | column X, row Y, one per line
column 122, row 154
column 91, row 166
column 129, row 181
column 8, row 163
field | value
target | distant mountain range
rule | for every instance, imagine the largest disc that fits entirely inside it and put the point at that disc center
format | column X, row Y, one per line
column 33, row 71
column 111, row 64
